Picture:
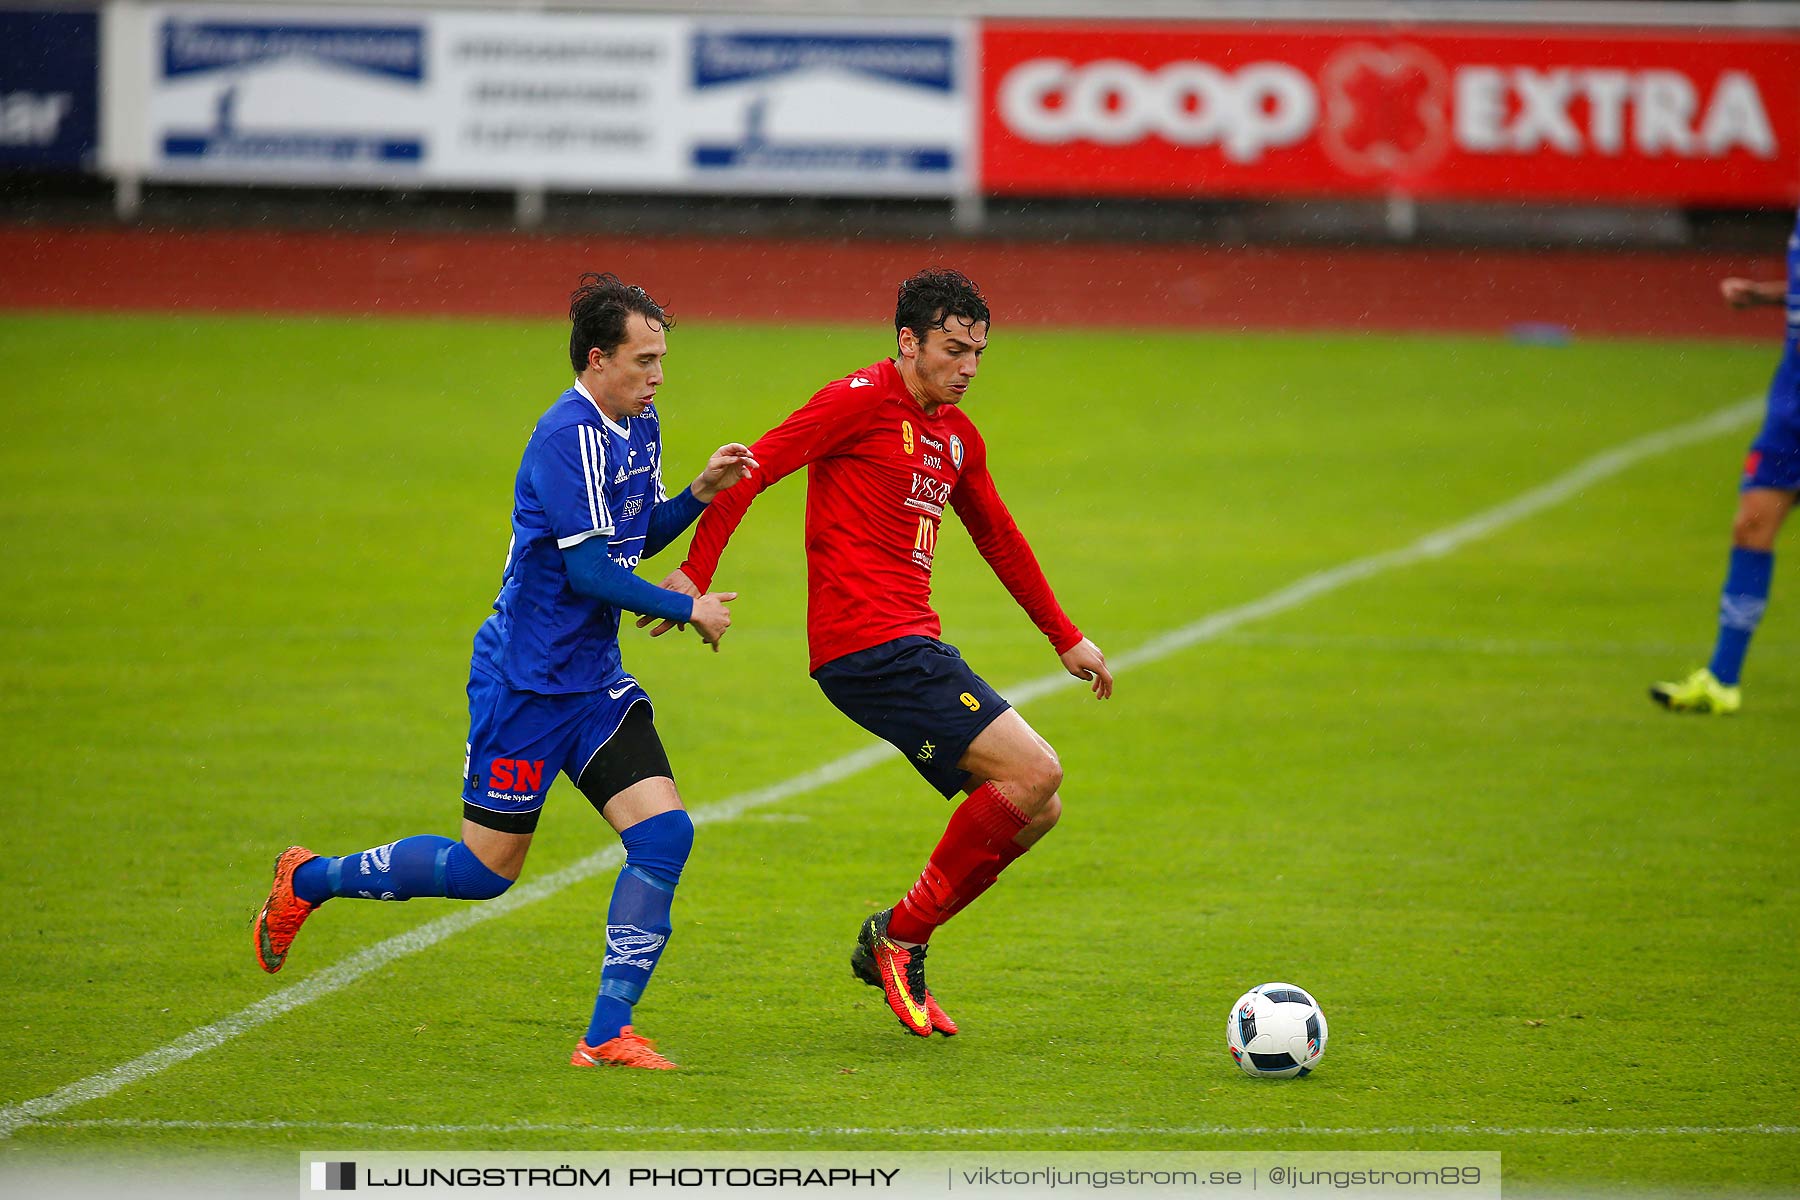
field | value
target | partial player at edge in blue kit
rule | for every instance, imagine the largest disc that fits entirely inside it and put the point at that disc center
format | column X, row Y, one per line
column 1766, row 496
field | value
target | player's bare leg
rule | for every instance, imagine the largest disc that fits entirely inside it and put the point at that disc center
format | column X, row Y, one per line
column 1760, row 514
column 501, row 853
column 1012, row 756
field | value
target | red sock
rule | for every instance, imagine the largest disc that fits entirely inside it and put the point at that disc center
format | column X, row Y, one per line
column 1008, row 854
column 976, row 846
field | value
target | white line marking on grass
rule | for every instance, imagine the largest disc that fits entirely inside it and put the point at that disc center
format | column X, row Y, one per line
column 1460, row 646
column 974, row 1131
column 336, row 978
column 1444, row 541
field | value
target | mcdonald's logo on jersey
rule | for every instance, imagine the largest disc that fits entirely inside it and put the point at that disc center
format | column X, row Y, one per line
column 925, row 542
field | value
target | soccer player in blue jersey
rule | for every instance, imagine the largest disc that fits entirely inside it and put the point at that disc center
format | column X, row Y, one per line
column 1771, row 481
column 547, row 692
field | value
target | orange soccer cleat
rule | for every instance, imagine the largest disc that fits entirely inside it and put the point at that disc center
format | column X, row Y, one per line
column 626, row 1050
column 283, row 912
column 899, row 972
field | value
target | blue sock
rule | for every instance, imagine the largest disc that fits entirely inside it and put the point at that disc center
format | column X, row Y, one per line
column 637, row 922
column 1741, row 604
column 425, row 865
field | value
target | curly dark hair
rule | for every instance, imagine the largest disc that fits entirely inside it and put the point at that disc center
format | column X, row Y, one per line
column 599, row 308
column 933, row 296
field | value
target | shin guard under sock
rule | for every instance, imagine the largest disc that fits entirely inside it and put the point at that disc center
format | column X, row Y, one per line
column 637, row 921
column 977, row 845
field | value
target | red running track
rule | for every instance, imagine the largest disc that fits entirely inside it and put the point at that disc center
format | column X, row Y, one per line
column 1645, row 294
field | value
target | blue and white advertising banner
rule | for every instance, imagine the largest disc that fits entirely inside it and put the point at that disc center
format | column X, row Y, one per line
column 49, row 88
column 402, row 97
column 521, row 99
column 274, row 94
column 863, row 108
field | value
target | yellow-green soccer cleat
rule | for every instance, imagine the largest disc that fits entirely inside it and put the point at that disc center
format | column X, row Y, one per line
column 1700, row 692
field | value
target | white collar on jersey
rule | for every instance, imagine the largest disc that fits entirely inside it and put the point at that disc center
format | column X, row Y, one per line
column 622, row 430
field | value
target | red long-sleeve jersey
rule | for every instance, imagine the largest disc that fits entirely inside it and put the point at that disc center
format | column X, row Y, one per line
column 882, row 472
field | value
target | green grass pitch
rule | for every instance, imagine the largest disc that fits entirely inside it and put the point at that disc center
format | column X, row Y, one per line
column 245, row 558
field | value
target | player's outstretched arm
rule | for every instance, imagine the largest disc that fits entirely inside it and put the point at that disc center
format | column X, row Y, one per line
column 593, row 573
column 730, row 464
column 816, row 429
column 1084, row 660
column 1748, row 293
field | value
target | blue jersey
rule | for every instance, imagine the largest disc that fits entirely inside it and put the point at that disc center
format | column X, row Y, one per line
column 1784, row 389
column 583, row 475
column 1793, row 285
column 1774, row 460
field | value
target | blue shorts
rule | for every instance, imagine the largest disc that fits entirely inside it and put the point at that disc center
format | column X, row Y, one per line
column 1778, row 469
column 1774, row 459
column 918, row 695
column 518, row 741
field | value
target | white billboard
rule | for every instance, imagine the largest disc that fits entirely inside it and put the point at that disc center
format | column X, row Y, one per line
column 540, row 100
column 556, row 99
column 252, row 95
column 819, row 107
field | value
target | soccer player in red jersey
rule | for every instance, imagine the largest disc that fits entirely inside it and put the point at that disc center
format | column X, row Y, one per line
column 890, row 448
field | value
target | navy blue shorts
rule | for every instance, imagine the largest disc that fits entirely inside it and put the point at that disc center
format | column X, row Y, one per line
column 518, row 741
column 918, row 695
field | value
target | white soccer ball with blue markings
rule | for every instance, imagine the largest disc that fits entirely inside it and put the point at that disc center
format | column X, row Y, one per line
column 1276, row 1031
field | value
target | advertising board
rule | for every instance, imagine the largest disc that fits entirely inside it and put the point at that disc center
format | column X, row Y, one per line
column 1467, row 112
column 506, row 99
column 829, row 108
column 49, row 88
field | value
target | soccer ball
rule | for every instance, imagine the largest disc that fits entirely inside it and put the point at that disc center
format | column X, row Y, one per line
column 1276, row 1031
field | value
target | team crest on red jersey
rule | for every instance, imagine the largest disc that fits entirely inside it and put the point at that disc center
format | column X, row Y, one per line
column 906, row 436
column 956, row 451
